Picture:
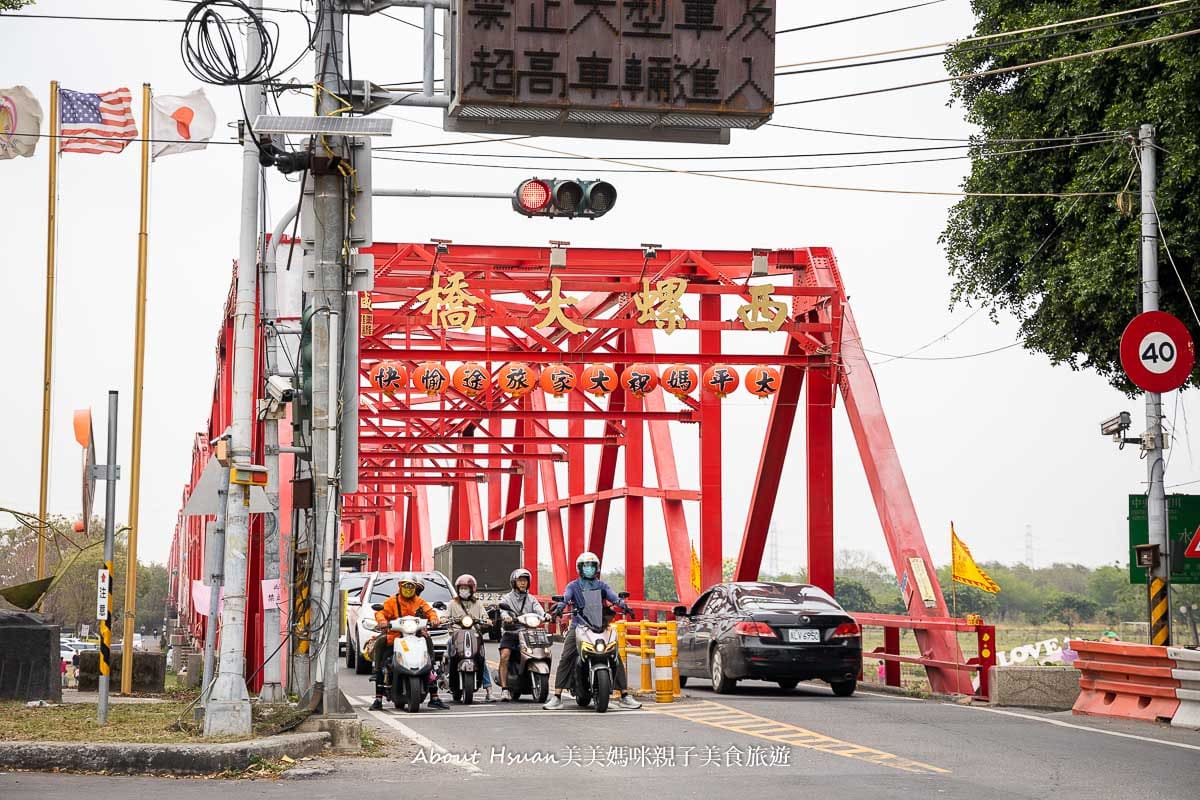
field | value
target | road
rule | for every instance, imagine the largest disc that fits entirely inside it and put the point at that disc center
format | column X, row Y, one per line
column 757, row 742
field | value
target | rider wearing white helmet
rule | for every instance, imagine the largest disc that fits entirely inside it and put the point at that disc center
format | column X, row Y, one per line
column 588, row 567
column 521, row 602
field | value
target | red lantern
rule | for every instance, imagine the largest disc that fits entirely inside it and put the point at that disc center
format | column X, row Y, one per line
column 680, row 380
column 721, row 379
column 639, row 379
column 762, row 381
column 470, row 380
column 519, row 379
column 598, row 379
column 557, row 379
column 389, row 376
column 431, row 378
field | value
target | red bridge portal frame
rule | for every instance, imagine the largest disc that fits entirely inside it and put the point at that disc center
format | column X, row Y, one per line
column 512, row 445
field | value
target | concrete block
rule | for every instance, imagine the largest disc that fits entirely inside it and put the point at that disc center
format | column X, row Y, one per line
column 149, row 671
column 345, row 731
column 1054, row 688
column 195, row 670
column 30, row 664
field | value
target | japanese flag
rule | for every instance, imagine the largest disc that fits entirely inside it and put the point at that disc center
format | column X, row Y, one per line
column 182, row 123
column 20, row 122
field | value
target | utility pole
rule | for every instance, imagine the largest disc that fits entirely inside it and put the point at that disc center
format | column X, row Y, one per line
column 326, row 299
column 228, row 710
column 1159, row 578
column 214, row 565
column 111, row 473
column 272, row 688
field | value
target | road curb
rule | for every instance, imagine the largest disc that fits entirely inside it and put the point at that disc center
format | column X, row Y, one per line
column 172, row 759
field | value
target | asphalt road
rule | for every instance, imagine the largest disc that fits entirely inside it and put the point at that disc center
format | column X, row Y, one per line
column 757, row 742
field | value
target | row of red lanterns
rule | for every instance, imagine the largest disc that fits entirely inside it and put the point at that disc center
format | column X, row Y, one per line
column 516, row 379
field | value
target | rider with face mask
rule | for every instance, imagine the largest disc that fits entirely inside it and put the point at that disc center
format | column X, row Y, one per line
column 406, row 602
column 588, row 566
column 465, row 603
column 521, row 602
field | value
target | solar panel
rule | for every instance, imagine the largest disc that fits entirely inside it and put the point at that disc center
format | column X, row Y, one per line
column 334, row 126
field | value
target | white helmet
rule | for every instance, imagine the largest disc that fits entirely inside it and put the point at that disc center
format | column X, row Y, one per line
column 587, row 557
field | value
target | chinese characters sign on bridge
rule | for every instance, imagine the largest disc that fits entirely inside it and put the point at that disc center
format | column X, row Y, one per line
column 646, row 69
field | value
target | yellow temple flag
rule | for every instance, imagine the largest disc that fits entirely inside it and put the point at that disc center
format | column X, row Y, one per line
column 695, row 570
column 965, row 570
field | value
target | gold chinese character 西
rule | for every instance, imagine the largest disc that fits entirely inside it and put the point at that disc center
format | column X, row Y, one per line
column 554, row 306
column 763, row 312
column 452, row 303
column 662, row 304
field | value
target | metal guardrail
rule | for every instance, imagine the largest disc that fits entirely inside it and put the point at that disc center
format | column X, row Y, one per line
column 892, row 624
column 656, row 644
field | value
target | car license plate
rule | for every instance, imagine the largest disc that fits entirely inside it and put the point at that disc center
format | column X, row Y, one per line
column 804, row 635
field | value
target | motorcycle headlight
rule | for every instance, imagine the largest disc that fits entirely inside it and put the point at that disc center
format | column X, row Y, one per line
column 601, row 647
column 467, row 622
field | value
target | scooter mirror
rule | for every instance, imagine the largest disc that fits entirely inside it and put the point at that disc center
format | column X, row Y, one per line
column 505, row 607
column 558, row 598
column 377, row 606
column 622, row 595
column 679, row 611
column 439, row 605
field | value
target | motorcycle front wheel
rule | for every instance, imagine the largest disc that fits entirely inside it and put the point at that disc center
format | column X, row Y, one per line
column 603, row 690
column 467, row 680
column 583, row 689
column 416, row 691
column 540, row 690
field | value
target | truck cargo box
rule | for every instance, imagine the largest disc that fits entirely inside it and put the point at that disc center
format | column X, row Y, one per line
column 490, row 562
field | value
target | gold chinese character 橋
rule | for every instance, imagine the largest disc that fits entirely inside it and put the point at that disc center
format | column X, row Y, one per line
column 452, row 303
column 662, row 304
column 763, row 313
column 554, row 306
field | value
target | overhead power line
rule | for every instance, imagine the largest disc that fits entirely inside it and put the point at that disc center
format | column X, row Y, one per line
column 1076, row 137
column 997, row 71
column 859, row 17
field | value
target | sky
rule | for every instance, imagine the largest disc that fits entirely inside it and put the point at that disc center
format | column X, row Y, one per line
column 996, row 443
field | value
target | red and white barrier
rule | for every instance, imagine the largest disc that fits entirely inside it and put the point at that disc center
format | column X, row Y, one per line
column 1187, row 672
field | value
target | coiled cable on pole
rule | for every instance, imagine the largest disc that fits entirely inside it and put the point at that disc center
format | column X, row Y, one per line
column 208, row 45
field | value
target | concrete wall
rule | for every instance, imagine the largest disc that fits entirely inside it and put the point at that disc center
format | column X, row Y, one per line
column 1034, row 687
column 30, row 664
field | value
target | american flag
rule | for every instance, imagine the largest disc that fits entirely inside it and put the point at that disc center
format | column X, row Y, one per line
column 95, row 123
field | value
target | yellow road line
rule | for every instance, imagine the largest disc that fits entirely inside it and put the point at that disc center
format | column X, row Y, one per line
column 728, row 718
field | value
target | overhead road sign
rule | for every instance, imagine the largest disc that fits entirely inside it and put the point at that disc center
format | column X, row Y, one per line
column 656, row 71
column 1157, row 352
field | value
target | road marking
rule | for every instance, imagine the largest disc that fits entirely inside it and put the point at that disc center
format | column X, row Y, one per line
column 1060, row 723
column 410, row 734
column 728, row 718
column 892, row 696
column 489, row 709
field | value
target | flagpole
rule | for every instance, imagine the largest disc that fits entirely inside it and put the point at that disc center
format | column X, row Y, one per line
column 953, row 583
column 48, row 364
column 139, row 358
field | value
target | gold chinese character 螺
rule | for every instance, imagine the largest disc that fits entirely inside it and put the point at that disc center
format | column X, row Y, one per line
column 662, row 304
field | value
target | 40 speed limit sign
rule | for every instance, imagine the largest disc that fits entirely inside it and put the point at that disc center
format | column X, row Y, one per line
column 1157, row 352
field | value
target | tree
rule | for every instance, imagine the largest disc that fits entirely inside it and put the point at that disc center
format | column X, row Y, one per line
column 1071, row 610
column 660, row 583
column 13, row 5
column 853, row 596
column 1068, row 268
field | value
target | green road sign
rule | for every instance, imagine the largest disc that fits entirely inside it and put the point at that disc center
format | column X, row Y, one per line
column 1183, row 517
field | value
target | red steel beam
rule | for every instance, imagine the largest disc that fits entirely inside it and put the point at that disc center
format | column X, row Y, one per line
column 819, row 451
column 711, row 519
column 446, row 414
column 705, row 357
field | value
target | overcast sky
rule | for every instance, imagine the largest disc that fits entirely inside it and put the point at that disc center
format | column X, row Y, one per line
column 995, row 443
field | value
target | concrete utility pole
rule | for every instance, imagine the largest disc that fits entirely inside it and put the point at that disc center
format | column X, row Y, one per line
column 327, row 299
column 228, row 711
column 1159, row 579
column 214, row 566
column 272, row 688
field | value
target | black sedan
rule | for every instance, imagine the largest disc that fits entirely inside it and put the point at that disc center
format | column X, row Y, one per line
column 780, row 632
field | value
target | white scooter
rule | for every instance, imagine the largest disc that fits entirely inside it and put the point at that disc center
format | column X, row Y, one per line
column 407, row 673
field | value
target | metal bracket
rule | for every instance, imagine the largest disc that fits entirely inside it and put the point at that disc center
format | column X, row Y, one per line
column 99, row 472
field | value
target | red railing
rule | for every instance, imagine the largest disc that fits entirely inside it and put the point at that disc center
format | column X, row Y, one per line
column 892, row 624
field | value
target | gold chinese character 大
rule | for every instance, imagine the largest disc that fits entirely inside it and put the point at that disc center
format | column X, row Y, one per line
column 763, row 312
column 662, row 304
column 554, row 306
column 451, row 306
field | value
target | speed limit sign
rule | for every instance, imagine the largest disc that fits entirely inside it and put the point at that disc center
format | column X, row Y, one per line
column 1157, row 352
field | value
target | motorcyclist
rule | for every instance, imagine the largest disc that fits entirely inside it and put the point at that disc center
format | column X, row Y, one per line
column 588, row 567
column 521, row 602
column 465, row 603
column 407, row 602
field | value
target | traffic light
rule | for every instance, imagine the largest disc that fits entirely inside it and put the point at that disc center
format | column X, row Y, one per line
column 306, row 358
column 564, row 198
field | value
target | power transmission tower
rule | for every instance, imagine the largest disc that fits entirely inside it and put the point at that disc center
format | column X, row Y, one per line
column 1029, row 546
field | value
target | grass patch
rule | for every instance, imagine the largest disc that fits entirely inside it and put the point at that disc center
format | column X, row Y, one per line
column 372, row 747
column 144, row 723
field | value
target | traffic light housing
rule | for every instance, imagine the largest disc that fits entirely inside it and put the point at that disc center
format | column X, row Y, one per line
column 569, row 198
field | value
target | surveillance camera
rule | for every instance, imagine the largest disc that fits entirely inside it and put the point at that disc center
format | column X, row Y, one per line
column 280, row 389
column 1117, row 425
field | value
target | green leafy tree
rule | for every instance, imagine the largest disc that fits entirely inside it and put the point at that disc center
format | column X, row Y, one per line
column 660, row 583
column 1071, row 610
column 853, row 596
column 1068, row 268
column 13, row 5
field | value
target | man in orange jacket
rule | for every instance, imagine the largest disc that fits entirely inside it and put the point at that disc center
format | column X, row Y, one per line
column 406, row 602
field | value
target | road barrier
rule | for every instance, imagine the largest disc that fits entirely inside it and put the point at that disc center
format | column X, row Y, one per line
column 1187, row 672
column 892, row 624
column 656, row 646
column 1125, row 680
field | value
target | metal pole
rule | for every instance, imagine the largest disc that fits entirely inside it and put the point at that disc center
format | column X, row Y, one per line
column 110, row 514
column 326, row 299
column 1159, row 579
column 428, row 50
column 228, row 711
column 48, row 360
column 214, row 554
column 272, row 688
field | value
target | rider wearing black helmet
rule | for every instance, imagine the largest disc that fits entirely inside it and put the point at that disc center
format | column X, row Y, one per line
column 521, row 602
